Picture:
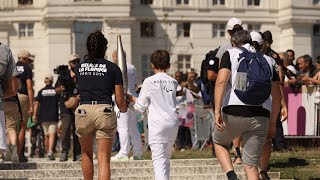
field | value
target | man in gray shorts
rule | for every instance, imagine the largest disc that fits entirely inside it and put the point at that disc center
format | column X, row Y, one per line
column 233, row 117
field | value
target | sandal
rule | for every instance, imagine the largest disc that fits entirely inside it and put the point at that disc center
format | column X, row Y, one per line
column 264, row 175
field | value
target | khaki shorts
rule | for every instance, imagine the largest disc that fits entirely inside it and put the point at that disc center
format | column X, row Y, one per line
column 99, row 119
column 49, row 128
column 25, row 106
column 11, row 111
column 254, row 131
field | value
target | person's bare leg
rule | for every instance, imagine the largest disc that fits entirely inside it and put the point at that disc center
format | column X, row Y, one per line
column 104, row 154
column 51, row 141
column 12, row 135
column 264, row 160
column 223, row 157
column 46, row 143
column 21, row 137
column 236, row 144
column 87, row 156
column 251, row 172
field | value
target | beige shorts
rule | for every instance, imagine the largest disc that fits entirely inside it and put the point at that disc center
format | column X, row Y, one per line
column 25, row 106
column 11, row 111
column 99, row 119
column 49, row 128
column 254, row 131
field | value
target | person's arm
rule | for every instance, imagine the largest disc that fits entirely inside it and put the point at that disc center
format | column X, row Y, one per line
column 36, row 107
column 276, row 105
column 315, row 80
column 284, row 106
column 142, row 102
column 120, row 101
column 221, row 83
column 12, row 86
column 30, row 95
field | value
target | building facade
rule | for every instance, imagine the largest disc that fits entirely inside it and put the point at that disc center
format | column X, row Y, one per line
column 188, row 29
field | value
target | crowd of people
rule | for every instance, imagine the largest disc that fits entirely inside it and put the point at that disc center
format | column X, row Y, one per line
column 236, row 79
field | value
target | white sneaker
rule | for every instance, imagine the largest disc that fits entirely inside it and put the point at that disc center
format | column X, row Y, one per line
column 119, row 158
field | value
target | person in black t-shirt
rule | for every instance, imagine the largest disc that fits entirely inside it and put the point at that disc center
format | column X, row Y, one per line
column 47, row 102
column 97, row 80
column 25, row 95
column 232, row 116
column 67, row 97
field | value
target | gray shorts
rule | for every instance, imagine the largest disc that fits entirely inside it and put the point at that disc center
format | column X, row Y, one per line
column 254, row 131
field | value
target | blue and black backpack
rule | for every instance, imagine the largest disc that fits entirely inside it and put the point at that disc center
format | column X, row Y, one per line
column 253, row 79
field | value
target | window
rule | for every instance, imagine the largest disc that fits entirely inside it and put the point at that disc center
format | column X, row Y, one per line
column 145, row 66
column 146, row 2
column 317, row 2
column 217, row 2
column 218, row 30
column 253, row 2
column 181, row 2
column 147, row 29
column 183, row 29
column 316, row 30
column 25, row 30
column 25, row 2
column 254, row 27
column 184, row 63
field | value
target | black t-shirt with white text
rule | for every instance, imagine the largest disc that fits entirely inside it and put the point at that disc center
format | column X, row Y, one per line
column 97, row 79
column 25, row 73
column 240, row 110
column 49, row 104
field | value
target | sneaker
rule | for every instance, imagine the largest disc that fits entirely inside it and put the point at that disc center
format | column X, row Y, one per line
column 182, row 150
column 23, row 159
column 51, row 156
column 136, row 158
column 119, row 158
column 1, row 158
column 7, row 156
column 64, row 157
column 77, row 157
column 14, row 154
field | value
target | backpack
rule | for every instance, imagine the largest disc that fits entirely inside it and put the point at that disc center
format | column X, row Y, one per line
column 253, row 78
column 204, row 67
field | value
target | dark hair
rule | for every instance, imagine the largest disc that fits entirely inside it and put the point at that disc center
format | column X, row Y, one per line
column 96, row 45
column 256, row 45
column 235, row 28
column 160, row 59
column 307, row 59
column 241, row 37
column 267, row 36
column 290, row 50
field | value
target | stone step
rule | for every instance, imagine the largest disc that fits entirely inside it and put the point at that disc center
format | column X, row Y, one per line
column 220, row 176
column 117, row 173
column 44, row 164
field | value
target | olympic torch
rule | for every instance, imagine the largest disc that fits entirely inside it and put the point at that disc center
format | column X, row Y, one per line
column 122, row 63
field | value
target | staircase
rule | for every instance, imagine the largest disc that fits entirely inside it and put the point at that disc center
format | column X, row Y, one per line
column 181, row 169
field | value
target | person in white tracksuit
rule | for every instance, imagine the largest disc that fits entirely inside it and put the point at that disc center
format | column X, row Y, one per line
column 127, row 122
column 158, row 95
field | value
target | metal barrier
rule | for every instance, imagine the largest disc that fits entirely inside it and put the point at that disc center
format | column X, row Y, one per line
column 303, row 112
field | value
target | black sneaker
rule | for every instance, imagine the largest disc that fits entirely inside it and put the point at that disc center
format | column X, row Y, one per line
column 63, row 157
column 23, row 159
column 77, row 157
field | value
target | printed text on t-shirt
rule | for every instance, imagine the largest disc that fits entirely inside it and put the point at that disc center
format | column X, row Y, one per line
column 90, row 69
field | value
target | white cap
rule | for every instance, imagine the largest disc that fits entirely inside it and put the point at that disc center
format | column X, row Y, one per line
column 232, row 22
column 255, row 36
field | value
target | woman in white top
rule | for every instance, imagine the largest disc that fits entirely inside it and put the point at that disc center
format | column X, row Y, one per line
column 158, row 95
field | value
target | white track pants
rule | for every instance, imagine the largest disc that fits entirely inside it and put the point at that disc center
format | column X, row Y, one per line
column 128, row 130
column 161, row 154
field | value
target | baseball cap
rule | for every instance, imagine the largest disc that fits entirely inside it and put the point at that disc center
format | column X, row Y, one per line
column 232, row 22
column 48, row 78
column 25, row 54
column 255, row 36
column 267, row 36
column 73, row 57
